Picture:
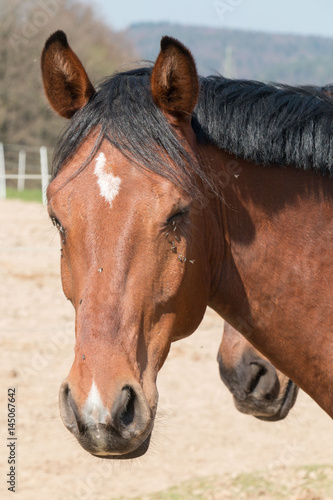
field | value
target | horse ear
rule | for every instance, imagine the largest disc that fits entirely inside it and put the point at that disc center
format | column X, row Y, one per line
column 174, row 79
column 66, row 83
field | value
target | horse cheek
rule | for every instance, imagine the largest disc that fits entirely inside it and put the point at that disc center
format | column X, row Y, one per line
column 66, row 279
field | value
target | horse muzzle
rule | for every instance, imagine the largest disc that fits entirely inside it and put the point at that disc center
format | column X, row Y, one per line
column 120, row 431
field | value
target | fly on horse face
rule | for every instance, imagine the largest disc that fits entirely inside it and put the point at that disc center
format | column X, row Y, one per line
column 172, row 193
column 258, row 389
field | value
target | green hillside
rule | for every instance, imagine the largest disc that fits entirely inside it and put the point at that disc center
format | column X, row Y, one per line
column 244, row 54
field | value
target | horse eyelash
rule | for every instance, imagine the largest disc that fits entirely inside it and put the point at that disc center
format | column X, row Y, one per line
column 58, row 225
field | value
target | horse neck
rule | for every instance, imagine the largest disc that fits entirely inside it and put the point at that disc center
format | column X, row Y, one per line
column 275, row 272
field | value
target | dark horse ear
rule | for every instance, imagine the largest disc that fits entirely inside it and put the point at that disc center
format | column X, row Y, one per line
column 66, row 83
column 174, row 80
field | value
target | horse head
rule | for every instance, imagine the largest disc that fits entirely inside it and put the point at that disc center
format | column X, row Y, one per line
column 133, row 261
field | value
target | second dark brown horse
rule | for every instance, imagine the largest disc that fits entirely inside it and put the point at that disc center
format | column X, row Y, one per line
column 258, row 388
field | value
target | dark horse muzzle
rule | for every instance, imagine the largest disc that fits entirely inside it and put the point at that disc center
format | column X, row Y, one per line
column 121, row 430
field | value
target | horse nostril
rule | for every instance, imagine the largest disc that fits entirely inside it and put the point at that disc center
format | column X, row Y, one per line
column 130, row 412
column 123, row 411
column 68, row 409
column 256, row 372
column 127, row 414
column 65, row 390
column 263, row 382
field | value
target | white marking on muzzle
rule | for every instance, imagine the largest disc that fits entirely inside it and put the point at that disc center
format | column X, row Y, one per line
column 94, row 412
column 109, row 184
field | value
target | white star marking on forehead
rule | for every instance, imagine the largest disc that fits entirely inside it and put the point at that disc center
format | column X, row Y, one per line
column 109, row 184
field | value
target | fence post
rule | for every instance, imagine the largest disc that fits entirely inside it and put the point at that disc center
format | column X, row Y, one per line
column 21, row 170
column 2, row 173
column 44, row 171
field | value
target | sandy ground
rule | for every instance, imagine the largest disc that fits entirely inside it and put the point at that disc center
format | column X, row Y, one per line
column 197, row 433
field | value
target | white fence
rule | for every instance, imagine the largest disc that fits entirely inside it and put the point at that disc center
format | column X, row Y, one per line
column 21, row 163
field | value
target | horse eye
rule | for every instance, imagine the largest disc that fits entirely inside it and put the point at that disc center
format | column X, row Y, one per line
column 55, row 222
column 58, row 225
column 177, row 216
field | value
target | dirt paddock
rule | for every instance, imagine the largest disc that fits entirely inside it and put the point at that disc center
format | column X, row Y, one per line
column 197, row 433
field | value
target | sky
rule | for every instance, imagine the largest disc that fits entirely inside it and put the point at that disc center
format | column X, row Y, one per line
column 305, row 17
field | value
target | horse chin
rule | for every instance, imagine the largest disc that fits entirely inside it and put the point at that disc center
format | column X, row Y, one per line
column 270, row 411
column 112, row 446
column 141, row 450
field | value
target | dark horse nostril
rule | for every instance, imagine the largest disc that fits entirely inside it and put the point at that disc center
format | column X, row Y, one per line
column 263, row 382
column 65, row 390
column 255, row 373
column 68, row 410
column 124, row 408
column 127, row 416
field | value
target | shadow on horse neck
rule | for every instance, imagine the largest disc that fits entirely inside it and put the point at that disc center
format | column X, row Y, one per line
column 169, row 195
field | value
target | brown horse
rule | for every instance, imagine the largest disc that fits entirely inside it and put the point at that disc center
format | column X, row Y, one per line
column 169, row 195
column 258, row 389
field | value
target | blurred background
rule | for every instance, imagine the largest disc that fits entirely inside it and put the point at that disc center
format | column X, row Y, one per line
column 202, row 448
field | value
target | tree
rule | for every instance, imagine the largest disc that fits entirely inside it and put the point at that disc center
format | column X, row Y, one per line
column 25, row 116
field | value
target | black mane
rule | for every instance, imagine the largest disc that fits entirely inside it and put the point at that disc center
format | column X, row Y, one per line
column 267, row 123
column 124, row 113
column 263, row 123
